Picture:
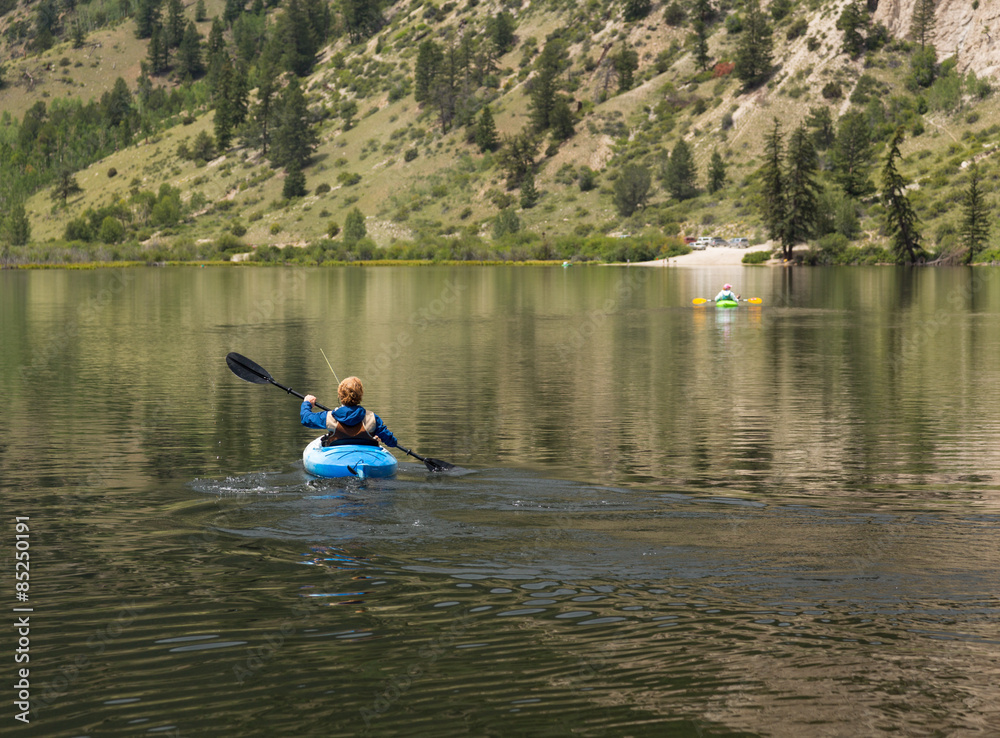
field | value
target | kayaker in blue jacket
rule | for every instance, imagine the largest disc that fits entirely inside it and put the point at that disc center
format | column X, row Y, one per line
column 727, row 294
column 349, row 423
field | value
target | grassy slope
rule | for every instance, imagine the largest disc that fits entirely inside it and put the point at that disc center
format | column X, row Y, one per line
column 445, row 188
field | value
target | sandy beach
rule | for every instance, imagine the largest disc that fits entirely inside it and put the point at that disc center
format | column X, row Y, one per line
column 712, row 256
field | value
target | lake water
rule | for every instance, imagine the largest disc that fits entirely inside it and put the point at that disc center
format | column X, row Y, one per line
column 775, row 520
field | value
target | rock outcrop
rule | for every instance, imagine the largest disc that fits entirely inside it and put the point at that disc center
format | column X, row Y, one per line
column 973, row 35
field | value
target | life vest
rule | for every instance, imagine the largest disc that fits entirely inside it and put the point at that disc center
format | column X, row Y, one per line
column 362, row 434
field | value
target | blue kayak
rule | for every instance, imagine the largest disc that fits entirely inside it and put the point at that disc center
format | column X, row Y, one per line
column 348, row 461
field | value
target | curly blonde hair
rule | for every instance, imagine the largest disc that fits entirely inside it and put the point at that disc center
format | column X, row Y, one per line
column 350, row 391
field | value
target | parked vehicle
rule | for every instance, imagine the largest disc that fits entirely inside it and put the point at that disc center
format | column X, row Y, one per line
column 702, row 243
column 739, row 243
column 716, row 241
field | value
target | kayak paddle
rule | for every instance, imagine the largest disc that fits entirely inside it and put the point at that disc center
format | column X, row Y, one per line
column 249, row 371
column 702, row 300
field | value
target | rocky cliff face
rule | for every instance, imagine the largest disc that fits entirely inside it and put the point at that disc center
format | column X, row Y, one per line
column 972, row 35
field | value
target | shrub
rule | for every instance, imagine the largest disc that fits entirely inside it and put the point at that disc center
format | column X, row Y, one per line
column 798, row 28
column 832, row 91
column 322, row 188
column 410, row 154
column 756, row 257
column 332, row 229
column 348, row 179
column 275, row 229
column 112, row 172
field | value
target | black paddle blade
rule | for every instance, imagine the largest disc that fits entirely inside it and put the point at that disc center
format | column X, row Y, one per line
column 436, row 465
column 245, row 369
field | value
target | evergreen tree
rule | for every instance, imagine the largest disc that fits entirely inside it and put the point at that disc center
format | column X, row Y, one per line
column 922, row 22
column 174, row 27
column 529, row 195
column 215, row 52
column 430, row 59
column 486, row 131
column 679, row 173
column 631, row 189
column 801, row 191
column 701, row 56
column 295, row 40
column 200, row 13
column 147, row 15
column 753, row 53
column 232, row 11
column 79, row 35
column 17, row 226
column 561, row 120
column 703, row 11
column 65, row 185
column 295, row 182
column 294, row 136
column 354, row 227
column 901, row 221
column 852, row 155
column 772, row 179
column 361, row 18
column 500, row 31
column 976, row 218
column 159, row 59
column 544, row 85
column 626, row 61
column 258, row 129
column 189, row 63
column 225, row 114
column 821, row 123
column 117, row 104
column 852, row 21
column 716, row 173
column 634, row 10
column 517, row 156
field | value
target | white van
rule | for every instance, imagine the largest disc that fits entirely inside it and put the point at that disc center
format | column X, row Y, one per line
column 702, row 243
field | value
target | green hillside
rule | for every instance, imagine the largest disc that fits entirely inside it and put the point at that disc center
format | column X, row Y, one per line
column 586, row 100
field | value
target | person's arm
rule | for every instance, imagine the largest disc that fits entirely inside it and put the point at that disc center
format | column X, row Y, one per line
column 309, row 418
column 384, row 433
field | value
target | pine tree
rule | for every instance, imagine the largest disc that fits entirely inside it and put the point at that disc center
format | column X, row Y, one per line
column 923, row 21
column 65, row 185
column 801, row 191
column 852, row 155
column 701, row 56
column 189, row 63
column 257, row 131
column 561, row 120
column 159, row 58
column 901, row 221
column 294, row 136
column 976, row 219
column 852, row 21
column 200, row 13
column 430, row 58
column 716, row 173
column 544, row 84
column 636, row 9
column 821, row 123
column 174, row 27
column 225, row 115
column 147, row 15
column 529, row 195
column 772, row 179
column 631, row 189
column 626, row 61
column 486, row 131
column 753, row 54
column 517, row 156
column 295, row 182
column 361, row 18
column 679, row 173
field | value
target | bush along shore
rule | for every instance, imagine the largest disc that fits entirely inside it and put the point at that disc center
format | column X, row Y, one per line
column 521, row 247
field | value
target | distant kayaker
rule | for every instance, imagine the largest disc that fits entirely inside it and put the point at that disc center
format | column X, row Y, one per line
column 349, row 423
column 727, row 294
